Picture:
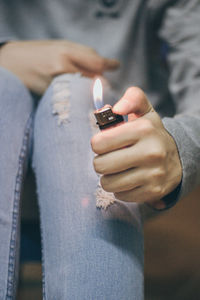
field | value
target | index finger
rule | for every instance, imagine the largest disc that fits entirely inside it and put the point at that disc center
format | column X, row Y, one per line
column 93, row 62
column 117, row 137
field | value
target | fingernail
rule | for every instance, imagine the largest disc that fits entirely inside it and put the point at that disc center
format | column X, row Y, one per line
column 122, row 106
column 113, row 63
column 116, row 62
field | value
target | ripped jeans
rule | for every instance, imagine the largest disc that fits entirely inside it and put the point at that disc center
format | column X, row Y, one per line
column 89, row 253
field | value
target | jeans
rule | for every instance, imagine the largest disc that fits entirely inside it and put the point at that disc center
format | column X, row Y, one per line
column 88, row 253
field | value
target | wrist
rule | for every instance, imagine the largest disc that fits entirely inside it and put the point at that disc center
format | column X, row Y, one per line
column 2, row 49
column 167, row 201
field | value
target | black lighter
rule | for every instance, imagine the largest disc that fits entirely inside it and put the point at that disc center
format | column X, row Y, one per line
column 104, row 115
column 107, row 118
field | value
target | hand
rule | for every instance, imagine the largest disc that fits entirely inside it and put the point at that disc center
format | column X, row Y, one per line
column 138, row 160
column 37, row 62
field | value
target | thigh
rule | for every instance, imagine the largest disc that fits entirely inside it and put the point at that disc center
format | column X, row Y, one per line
column 89, row 253
column 15, row 125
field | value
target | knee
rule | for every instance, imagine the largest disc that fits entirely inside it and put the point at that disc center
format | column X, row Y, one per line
column 13, row 92
column 66, row 94
column 8, row 79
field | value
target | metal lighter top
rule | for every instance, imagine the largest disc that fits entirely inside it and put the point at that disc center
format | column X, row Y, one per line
column 107, row 118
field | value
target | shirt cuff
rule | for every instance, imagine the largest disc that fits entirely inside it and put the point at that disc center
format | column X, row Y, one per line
column 3, row 41
column 188, row 152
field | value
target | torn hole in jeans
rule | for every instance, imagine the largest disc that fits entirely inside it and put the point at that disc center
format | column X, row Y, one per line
column 103, row 198
column 60, row 100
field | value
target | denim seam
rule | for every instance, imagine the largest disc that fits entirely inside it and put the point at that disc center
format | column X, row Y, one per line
column 43, row 261
column 15, row 221
column 41, row 238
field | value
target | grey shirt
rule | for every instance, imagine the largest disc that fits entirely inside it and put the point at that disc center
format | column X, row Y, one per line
column 157, row 42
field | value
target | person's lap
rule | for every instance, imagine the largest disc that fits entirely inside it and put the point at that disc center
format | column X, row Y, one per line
column 88, row 253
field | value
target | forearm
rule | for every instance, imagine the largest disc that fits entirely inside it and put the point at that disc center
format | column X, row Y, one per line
column 29, row 61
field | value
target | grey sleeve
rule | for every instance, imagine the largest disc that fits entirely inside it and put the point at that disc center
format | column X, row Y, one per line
column 180, row 30
column 3, row 42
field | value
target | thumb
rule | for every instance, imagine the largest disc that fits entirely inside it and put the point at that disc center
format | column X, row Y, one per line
column 134, row 102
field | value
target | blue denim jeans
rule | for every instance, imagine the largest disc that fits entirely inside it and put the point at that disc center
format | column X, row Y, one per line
column 88, row 253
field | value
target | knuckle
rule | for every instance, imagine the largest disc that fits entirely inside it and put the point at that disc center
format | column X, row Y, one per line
column 158, row 175
column 160, row 172
column 130, row 89
column 105, row 184
column 157, row 192
column 58, row 66
column 95, row 142
column 162, row 154
column 138, row 92
column 98, row 166
column 95, row 164
column 100, row 64
column 146, row 127
column 157, row 153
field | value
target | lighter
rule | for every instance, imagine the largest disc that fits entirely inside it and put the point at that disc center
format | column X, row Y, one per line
column 105, row 117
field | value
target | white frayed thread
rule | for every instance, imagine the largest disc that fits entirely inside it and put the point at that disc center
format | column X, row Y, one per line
column 103, row 198
column 61, row 104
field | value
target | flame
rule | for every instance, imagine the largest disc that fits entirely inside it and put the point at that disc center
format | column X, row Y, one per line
column 98, row 94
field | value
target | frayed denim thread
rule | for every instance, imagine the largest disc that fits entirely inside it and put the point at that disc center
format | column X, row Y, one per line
column 11, row 282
